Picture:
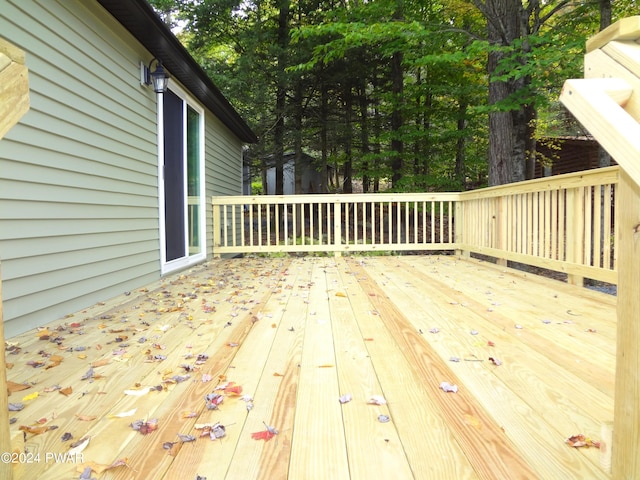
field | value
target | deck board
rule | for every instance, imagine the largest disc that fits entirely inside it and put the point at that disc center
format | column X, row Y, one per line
column 296, row 334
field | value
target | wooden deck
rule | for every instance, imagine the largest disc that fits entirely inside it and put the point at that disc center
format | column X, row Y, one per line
column 298, row 333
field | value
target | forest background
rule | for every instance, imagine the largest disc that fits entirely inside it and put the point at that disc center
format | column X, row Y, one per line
column 401, row 95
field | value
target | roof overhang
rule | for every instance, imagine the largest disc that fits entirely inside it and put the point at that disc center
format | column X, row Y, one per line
column 139, row 18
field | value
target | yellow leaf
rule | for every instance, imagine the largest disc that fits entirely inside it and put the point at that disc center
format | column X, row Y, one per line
column 31, row 396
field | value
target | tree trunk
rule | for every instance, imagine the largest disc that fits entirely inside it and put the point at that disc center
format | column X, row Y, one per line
column 347, row 184
column 461, row 143
column 511, row 133
column 281, row 92
column 324, row 147
column 397, row 90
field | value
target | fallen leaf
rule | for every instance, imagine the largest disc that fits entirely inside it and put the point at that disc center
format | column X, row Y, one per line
column 346, row 398
column 581, row 441
column 31, row 396
column 35, row 430
column 128, row 413
column 212, row 400
column 79, row 446
column 100, row 468
column 138, row 393
column 341, row 294
column 276, row 374
column 495, row 361
column 491, row 344
column 265, row 435
column 145, row 427
column 101, row 363
column 377, row 400
column 16, row 387
column 86, row 418
column 447, row 387
column 66, row 391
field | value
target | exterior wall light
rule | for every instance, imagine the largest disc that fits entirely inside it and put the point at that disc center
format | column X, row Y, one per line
column 159, row 77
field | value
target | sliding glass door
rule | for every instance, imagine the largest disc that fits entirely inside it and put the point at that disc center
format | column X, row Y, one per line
column 181, row 185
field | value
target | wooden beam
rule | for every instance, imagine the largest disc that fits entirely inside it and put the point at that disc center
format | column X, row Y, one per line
column 14, row 86
column 14, row 103
column 625, row 29
column 598, row 64
column 596, row 103
column 5, row 438
column 626, row 429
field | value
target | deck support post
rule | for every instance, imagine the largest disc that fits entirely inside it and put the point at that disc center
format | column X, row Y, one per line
column 626, row 428
column 5, row 438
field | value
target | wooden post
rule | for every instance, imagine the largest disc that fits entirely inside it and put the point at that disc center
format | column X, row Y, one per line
column 337, row 226
column 14, row 103
column 501, row 227
column 626, row 428
column 217, row 226
column 5, row 438
column 574, row 233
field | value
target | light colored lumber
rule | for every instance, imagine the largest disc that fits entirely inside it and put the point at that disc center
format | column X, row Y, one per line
column 531, row 429
column 596, row 104
column 599, row 64
column 320, row 451
column 624, row 29
column 373, row 448
column 487, row 448
column 288, row 319
column 14, row 86
column 429, row 443
column 267, row 367
column 626, row 429
column 5, row 438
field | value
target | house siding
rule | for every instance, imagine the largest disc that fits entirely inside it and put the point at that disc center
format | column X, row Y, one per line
column 223, row 175
column 78, row 174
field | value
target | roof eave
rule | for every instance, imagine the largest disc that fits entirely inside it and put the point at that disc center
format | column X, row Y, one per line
column 139, row 18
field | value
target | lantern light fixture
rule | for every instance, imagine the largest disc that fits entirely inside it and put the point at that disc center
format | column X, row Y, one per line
column 159, row 78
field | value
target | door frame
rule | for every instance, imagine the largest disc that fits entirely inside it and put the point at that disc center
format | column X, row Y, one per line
column 187, row 260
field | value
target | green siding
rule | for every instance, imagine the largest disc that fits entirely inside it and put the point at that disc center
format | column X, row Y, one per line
column 223, row 170
column 79, row 219
column 78, row 174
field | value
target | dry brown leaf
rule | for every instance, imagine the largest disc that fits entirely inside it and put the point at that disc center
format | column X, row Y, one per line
column 100, row 363
column 66, row 391
column 33, row 429
column 55, row 361
column 16, row 387
column 86, row 418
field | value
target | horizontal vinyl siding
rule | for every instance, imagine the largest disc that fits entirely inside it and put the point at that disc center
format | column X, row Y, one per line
column 78, row 174
column 223, row 171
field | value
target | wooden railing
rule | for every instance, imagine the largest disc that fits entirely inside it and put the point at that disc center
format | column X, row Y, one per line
column 334, row 223
column 563, row 223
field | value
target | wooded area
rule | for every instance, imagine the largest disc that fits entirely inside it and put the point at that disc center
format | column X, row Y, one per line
column 429, row 95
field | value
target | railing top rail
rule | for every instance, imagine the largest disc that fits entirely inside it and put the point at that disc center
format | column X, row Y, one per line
column 585, row 178
column 336, row 198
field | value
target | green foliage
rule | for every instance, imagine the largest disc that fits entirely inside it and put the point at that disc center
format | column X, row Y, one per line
column 342, row 103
